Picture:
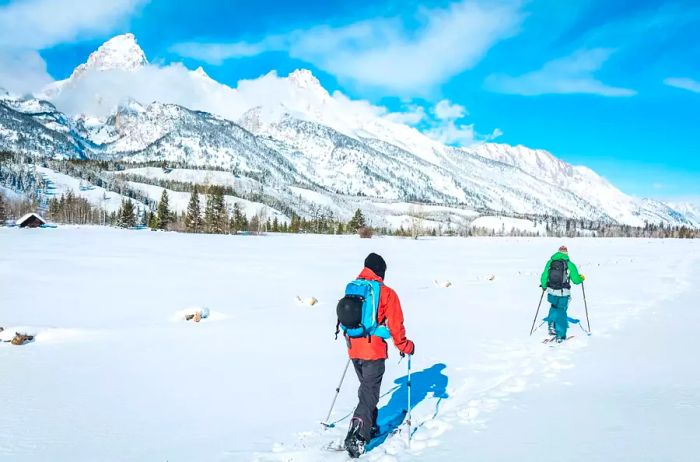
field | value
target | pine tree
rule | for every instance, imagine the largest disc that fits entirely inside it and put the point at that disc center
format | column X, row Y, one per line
column 295, row 224
column 3, row 211
column 193, row 219
column 153, row 221
column 357, row 221
column 164, row 216
column 275, row 225
column 145, row 217
column 215, row 214
column 237, row 219
column 127, row 218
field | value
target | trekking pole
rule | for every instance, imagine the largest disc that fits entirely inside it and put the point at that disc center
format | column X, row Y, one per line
column 409, row 401
column 537, row 312
column 585, row 303
column 337, row 392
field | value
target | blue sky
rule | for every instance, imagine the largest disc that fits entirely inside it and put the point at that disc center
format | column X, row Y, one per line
column 614, row 85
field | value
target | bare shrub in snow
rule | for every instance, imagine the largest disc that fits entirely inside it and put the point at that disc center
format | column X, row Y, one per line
column 365, row 232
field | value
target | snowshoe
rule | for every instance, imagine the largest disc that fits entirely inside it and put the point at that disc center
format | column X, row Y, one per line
column 356, row 447
column 354, row 443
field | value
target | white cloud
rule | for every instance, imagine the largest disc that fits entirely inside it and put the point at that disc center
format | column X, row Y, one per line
column 571, row 74
column 217, row 53
column 38, row 24
column 495, row 134
column 411, row 115
column 445, row 128
column 386, row 53
column 22, row 71
column 683, row 83
column 98, row 93
column 445, row 110
column 457, row 134
column 453, row 134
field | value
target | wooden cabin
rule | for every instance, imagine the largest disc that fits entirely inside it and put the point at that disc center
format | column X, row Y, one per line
column 31, row 220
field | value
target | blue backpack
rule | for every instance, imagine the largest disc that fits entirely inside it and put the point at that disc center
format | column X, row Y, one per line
column 357, row 311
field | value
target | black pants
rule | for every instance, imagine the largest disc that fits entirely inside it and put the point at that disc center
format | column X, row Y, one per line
column 370, row 373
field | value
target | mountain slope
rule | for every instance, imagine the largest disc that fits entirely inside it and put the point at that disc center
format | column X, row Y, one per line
column 289, row 131
column 35, row 127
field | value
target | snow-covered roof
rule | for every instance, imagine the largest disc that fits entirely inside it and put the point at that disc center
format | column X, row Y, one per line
column 27, row 216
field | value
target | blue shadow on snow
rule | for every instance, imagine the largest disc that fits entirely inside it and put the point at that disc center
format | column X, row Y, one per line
column 392, row 414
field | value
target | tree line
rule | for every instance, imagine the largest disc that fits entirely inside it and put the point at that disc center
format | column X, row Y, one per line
column 208, row 212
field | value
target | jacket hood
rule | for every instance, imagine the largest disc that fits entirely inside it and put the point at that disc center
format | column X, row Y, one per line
column 369, row 275
column 560, row 256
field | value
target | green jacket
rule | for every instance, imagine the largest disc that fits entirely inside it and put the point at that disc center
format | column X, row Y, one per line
column 573, row 271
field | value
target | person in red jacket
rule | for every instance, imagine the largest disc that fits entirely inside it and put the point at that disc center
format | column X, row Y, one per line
column 368, row 355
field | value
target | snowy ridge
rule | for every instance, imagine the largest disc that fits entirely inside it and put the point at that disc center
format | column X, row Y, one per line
column 291, row 132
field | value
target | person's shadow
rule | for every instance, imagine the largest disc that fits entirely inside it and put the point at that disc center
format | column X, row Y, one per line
column 391, row 416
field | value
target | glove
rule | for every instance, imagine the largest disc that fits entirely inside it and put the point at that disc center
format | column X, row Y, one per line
column 408, row 349
column 583, row 278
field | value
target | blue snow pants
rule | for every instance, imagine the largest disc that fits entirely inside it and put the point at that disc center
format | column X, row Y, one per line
column 557, row 314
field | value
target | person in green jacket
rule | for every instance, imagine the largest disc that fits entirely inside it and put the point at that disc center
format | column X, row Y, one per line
column 556, row 280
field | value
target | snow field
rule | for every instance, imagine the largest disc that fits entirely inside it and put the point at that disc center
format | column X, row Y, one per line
column 255, row 384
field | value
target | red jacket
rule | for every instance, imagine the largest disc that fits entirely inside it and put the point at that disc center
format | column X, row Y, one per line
column 390, row 314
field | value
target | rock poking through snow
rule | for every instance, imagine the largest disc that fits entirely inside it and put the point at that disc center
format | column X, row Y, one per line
column 309, row 301
column 442, row 284
column 195, row 314
column 21, row 339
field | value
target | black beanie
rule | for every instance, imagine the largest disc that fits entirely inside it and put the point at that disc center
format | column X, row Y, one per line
column 376, row 263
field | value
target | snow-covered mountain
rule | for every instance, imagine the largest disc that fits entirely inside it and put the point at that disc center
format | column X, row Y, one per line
column 119, row 53
column 290, row 132
column 36, row 127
